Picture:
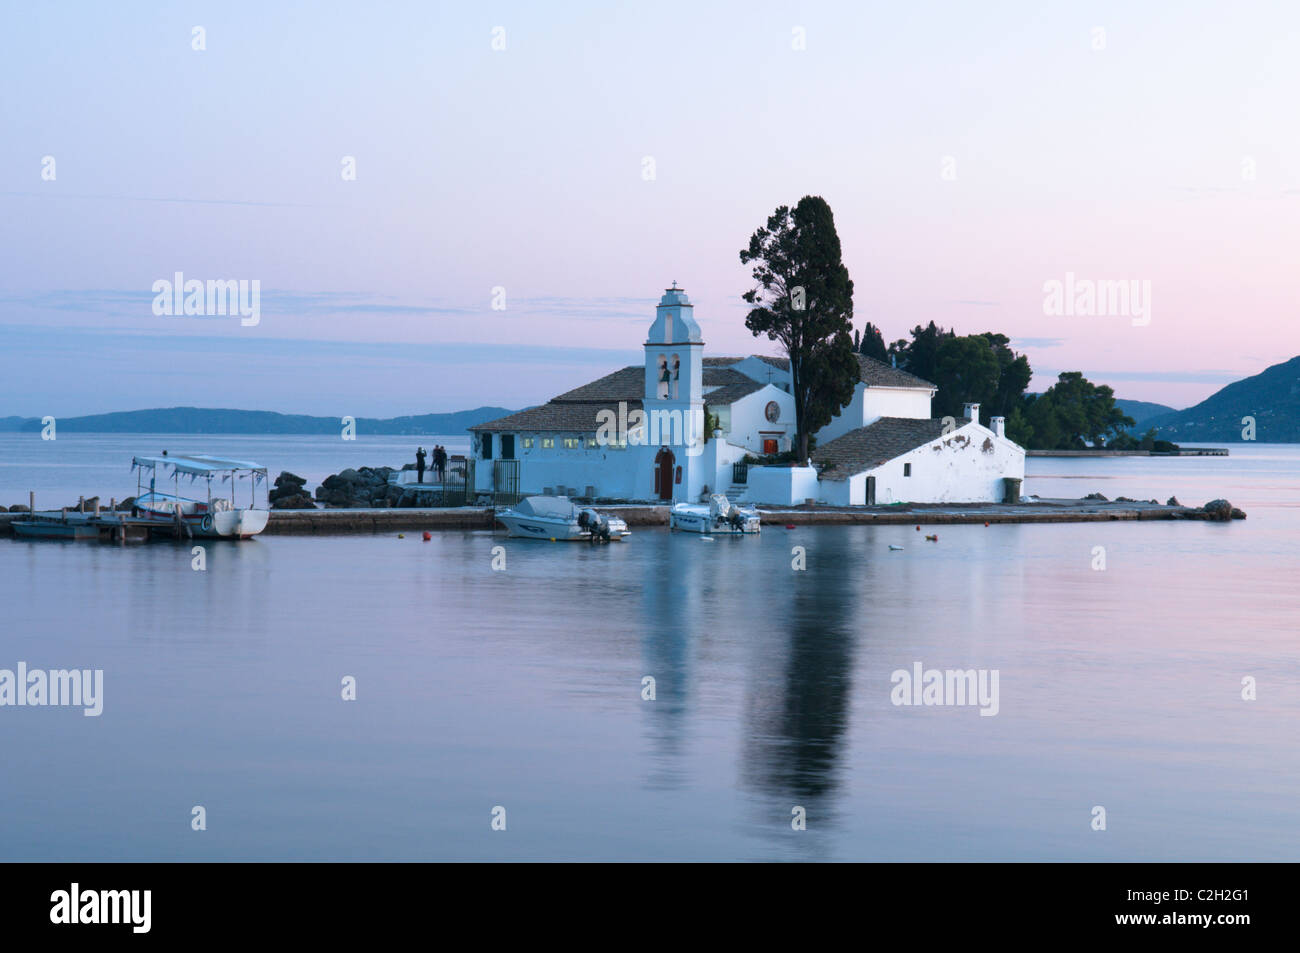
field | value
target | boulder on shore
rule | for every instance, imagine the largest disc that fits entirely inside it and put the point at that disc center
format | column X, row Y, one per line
column 289, row 486
column 358, row 488
column 1218, row 510
column 19, row 508
column 299, row 501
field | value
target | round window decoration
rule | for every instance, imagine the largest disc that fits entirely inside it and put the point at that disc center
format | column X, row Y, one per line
column 773, row 411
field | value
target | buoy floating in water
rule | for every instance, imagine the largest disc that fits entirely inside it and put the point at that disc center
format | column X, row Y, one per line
column 918, row 529
column 934, row 538
column 986, row 524
column 427, row 536
column 789, row 526
column 401, row 536
column 706, row 539
column 892, row 546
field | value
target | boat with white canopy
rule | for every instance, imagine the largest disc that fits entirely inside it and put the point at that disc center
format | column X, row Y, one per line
column 221, row 514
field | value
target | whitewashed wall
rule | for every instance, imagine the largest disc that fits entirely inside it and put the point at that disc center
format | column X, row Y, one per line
column 749, row 420
column 871, row 403
column 966, row 466
column 782, row 485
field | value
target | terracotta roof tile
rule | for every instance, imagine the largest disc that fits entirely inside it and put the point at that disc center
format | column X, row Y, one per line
column 868, row 447
column 556, row 417
column 879, row 374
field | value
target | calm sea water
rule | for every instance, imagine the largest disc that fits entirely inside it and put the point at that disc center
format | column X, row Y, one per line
column 522, row 689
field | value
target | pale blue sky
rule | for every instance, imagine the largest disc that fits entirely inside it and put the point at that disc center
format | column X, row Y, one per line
column 522, row 168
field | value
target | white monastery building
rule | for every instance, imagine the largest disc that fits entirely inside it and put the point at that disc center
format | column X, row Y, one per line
column 639, row 434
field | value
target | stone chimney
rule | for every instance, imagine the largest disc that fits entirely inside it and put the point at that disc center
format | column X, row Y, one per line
column 999, row 425
column 972, row 411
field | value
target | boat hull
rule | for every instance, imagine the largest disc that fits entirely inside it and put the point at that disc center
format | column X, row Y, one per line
column 699, row 519
column 48, row 529
column 562, row 531
column 199, row 519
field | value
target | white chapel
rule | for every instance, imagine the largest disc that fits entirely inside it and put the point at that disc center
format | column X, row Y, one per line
column 682, row 425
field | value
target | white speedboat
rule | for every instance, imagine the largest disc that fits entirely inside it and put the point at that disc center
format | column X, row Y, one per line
column 217, row 517
column 717, row 517
column 559, row 518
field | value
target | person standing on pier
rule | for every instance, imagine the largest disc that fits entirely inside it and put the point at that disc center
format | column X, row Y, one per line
column 419, row 465
column 440, row 463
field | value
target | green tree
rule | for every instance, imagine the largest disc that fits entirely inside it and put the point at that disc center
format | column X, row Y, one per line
column 1019, row 430
column 965, row 370
column 1073, row 414
column 803, row 298
column 1014, row 374
column 920, row 356
column 872, row 343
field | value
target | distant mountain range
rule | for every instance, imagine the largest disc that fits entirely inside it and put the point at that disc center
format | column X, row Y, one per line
column 1271, row 397
column 1141, row 411
column 207, row 421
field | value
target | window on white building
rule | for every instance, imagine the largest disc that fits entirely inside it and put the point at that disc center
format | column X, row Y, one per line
column 527, row 443
column 591, row 443
column 548, row 443
column 572, row 443
column 907, row 469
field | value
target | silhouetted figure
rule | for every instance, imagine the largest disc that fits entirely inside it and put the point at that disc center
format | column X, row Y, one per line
column 440, row 462
column 420, row 457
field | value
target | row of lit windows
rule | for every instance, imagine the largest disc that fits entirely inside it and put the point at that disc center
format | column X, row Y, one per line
column 570, row 443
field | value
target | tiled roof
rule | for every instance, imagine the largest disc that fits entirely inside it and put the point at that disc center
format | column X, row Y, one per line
column 722, row 376
column 873, row 373
column 868, row 447
column 625, row 384
column 730, row 393
column 879, row 374
column 781, row 362
column 558, row 416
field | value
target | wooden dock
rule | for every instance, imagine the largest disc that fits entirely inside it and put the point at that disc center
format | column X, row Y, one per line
column 108, row 527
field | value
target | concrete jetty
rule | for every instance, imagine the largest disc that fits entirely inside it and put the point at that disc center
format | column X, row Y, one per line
column 352, row 521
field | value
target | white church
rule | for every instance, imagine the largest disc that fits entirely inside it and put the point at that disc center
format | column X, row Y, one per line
column 681, row 425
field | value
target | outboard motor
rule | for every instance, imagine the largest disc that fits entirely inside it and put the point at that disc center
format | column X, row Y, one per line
column 596, row 524
column 736, row 518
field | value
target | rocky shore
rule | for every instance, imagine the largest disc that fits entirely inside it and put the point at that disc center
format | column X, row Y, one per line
column 360, row 488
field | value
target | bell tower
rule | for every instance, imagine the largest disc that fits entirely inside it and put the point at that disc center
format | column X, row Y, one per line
column 674, row 353
column 673, row 402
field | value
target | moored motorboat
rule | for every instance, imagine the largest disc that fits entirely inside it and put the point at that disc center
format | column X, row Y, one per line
column 40, row 526
column 560, row 519
column 717, row 517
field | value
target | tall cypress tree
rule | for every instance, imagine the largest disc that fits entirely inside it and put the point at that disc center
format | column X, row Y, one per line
column 873, row 343
column 803, row 298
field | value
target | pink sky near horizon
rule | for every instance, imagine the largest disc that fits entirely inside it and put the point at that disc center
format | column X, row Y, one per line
column 1170, row 155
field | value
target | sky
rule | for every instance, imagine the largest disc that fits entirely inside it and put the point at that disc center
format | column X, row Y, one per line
column 971, row 153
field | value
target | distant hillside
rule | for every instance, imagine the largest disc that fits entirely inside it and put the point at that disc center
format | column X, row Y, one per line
column 1142, row 411
column 1271, row 397
column 207, row 421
